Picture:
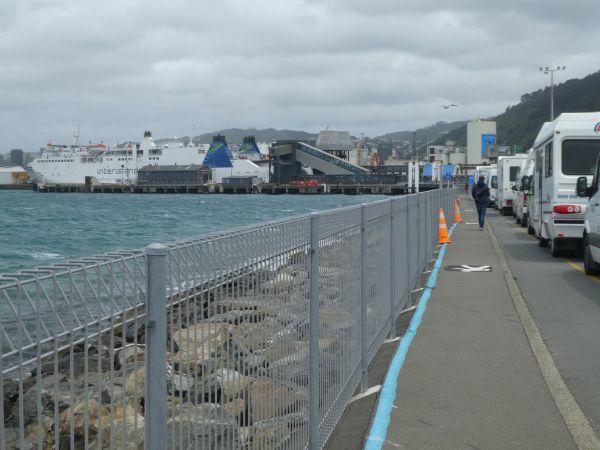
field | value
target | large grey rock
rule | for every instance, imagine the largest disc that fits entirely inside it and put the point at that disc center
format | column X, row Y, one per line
column 227, row 384
column 131, row 355
column 265, row 435
column 181, row 383
column 248, row 362
column 202, row 340
column 267, row 399
column 204, row 426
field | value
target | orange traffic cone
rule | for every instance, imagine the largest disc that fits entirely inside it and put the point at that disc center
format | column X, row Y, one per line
column 457, row 218
column 443, row 236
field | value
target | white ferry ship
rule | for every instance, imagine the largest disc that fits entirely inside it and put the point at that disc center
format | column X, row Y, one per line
column 71, row 164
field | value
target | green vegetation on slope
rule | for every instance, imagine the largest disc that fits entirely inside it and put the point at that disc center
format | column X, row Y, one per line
column 520, row 123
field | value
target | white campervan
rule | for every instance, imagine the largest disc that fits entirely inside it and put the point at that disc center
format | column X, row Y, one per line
column 508, row 166
column 487, row 171
column 591, row 232
column 565, row 150
column 522, row 188
column 493, row 184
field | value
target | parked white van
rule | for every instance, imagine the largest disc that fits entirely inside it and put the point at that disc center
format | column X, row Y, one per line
column 591, row 231
column 508, row 166
column 491, row 179
column 565, row 150
column 493, row 184
column 522, row 188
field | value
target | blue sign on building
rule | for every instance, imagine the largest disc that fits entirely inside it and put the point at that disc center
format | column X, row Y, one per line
column 486, row 141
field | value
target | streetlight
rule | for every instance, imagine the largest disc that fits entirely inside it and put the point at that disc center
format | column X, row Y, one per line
column 546, row 70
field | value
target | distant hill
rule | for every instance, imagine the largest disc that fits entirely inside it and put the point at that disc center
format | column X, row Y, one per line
column 425, row 134
column 236, row 135
column 520, row 123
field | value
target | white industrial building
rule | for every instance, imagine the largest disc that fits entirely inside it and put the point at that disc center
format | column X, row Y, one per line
column 13, row 175
column 480, row 135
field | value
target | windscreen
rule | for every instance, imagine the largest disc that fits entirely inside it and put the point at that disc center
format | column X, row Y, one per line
column 579, row 156
column 513, row 173
column 494, row 181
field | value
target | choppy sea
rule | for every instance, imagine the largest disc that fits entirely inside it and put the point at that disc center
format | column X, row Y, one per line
column 39, row 229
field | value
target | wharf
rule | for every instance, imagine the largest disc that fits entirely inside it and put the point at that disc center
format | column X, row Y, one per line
column 218, row 188
column 16, row 187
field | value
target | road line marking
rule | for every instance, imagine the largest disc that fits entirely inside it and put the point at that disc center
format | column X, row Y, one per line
column 575, row 420
column 582, row 270
column 568, row 261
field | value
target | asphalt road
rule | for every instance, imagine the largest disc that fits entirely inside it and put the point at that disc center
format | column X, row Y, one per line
column 565, row 304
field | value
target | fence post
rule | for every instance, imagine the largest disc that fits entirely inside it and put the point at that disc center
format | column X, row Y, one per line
column 364, row 331
column 393, row 274
column 408, row 233
column 418, row 233
column 156, row 348
column 313, row 342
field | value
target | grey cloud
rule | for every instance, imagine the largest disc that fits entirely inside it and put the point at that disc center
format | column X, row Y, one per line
column 121, row 66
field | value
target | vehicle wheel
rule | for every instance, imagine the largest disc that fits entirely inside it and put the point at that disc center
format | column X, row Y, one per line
column 554, row 249
column 543, row 242
column 590, row 267
column 519, row 220
column 524, row 223
column 530, row 229
column 514, row 213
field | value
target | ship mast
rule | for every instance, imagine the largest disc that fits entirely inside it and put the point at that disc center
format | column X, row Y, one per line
column 76, row 136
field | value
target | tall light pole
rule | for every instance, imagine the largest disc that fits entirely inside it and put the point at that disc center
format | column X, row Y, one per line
column 546, row 70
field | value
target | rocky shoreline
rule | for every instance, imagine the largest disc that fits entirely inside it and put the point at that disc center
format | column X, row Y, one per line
column 236, row 368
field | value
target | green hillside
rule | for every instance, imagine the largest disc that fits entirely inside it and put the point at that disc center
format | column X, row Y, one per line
column 520, row 123
column 425, row 134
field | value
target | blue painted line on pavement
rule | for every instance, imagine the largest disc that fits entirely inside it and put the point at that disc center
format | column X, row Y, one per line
column 378, row 433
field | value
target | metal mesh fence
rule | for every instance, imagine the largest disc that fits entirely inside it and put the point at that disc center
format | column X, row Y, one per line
column 255, row 338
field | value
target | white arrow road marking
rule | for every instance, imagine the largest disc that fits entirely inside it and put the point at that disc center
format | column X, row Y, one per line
column 467, row 268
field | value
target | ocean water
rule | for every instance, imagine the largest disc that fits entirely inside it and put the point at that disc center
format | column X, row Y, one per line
column 39, row 229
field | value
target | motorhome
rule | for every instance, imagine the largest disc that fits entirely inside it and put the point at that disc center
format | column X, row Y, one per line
column 489, row 172
column 565, row 150
column 508, row 166
column 591, row 230
column 493, row 184
column 522, row 188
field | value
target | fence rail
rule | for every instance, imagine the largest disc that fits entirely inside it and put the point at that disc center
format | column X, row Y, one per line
column 255, row 338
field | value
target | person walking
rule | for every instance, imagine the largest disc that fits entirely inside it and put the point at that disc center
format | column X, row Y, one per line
column 481, row 195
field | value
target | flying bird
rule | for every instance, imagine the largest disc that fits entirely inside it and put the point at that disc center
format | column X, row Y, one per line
column 448, row 106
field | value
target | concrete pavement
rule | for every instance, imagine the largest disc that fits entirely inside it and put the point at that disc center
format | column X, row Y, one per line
column 476, row 375
column 565, row 304
column 470, row 379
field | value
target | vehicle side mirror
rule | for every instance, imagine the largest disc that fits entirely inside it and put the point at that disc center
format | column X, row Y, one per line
column 582, row 187
column 514, row 188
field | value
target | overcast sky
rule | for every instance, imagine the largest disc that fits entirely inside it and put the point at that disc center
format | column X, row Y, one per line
column 119, row 67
